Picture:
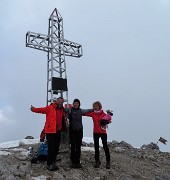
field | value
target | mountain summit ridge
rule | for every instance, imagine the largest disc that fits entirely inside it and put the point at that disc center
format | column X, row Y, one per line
column 127, row 162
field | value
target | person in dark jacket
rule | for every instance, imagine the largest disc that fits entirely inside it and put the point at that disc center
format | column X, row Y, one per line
column 55, row 116
column 76, row 131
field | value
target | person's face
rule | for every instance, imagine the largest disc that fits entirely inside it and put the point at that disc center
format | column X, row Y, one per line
column 96, row 107
column 76, row 105
column 60, row 102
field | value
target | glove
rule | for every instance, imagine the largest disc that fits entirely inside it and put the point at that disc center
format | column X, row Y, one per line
column 104, row 122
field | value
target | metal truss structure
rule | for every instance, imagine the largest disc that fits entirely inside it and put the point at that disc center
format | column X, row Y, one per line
column 57, row 48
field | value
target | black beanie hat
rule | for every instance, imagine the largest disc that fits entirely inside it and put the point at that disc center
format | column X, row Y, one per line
column 76, row 100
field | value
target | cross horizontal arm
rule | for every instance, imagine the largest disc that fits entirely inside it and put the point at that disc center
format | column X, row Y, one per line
column 43, row 42
column 72, row 48
column 37, row 41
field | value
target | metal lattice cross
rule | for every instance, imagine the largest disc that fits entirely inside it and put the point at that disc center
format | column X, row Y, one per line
column 57, row 48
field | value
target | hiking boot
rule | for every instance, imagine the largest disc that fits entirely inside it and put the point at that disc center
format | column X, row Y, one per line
column 73, row 165
column 108, row 165
column 78, row 165
column 52, row 167
column 97, row 164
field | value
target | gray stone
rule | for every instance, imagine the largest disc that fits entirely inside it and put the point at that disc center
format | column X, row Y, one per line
column 4, row 176
column 151, row 146
column 58, row 176
column 135, row 154
column 84, row 144
column 125, row 177
column 21, row 144
column 41, row 177
column 21, row 157
column 97, row 178
column 11, row 177
column 125, row 145
column 114, row 142
column 24, row 168
column 165, row 177
column 29, row 137
column 28, row 177
column 119, row 149
column 151, row 157
column 91, row 145
column 156, row 164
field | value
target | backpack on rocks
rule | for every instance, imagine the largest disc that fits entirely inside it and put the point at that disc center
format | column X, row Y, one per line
column 41, row 154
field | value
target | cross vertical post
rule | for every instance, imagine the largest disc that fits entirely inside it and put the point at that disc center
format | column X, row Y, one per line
column 57, row 48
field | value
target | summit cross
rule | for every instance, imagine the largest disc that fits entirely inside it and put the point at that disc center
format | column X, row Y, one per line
column 57, row 48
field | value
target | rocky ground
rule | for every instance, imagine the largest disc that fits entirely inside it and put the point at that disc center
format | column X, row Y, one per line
column 127, row 163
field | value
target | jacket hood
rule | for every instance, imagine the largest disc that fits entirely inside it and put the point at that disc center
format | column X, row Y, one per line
column 77, row 100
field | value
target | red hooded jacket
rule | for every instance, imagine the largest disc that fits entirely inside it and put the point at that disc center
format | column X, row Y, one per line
column 96, row 121
column 54, row 117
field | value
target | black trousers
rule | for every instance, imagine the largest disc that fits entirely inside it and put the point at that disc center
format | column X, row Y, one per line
column 105, row 146
column 76, row 142
column 53, row 140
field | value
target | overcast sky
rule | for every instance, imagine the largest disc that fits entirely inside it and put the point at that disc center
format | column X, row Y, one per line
column 125, row 65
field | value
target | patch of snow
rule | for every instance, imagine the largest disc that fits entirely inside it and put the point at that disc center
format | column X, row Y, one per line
column 18, row 149
column 87, row 148
column 39, row 178
column 4, row 153
column 14, row 144
column 30, row 141
column 25, row 153
column 138, row 147
column 88, row 139
column 11, row 144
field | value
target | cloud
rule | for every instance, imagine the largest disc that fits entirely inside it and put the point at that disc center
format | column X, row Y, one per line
column 6, row 115
column 2, row 118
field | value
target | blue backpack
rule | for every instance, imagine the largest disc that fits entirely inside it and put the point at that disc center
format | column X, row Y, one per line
column 42, row 150
column 42, row 153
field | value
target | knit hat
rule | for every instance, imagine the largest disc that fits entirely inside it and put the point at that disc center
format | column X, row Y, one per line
column 76, row 100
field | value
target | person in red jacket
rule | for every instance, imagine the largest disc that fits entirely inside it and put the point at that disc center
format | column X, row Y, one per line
column 55, row 116
column 98, row 132
column 42, row 136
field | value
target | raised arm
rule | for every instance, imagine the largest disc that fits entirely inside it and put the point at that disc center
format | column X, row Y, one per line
column 86, row 111
column 89, row 114
column 42, row 110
